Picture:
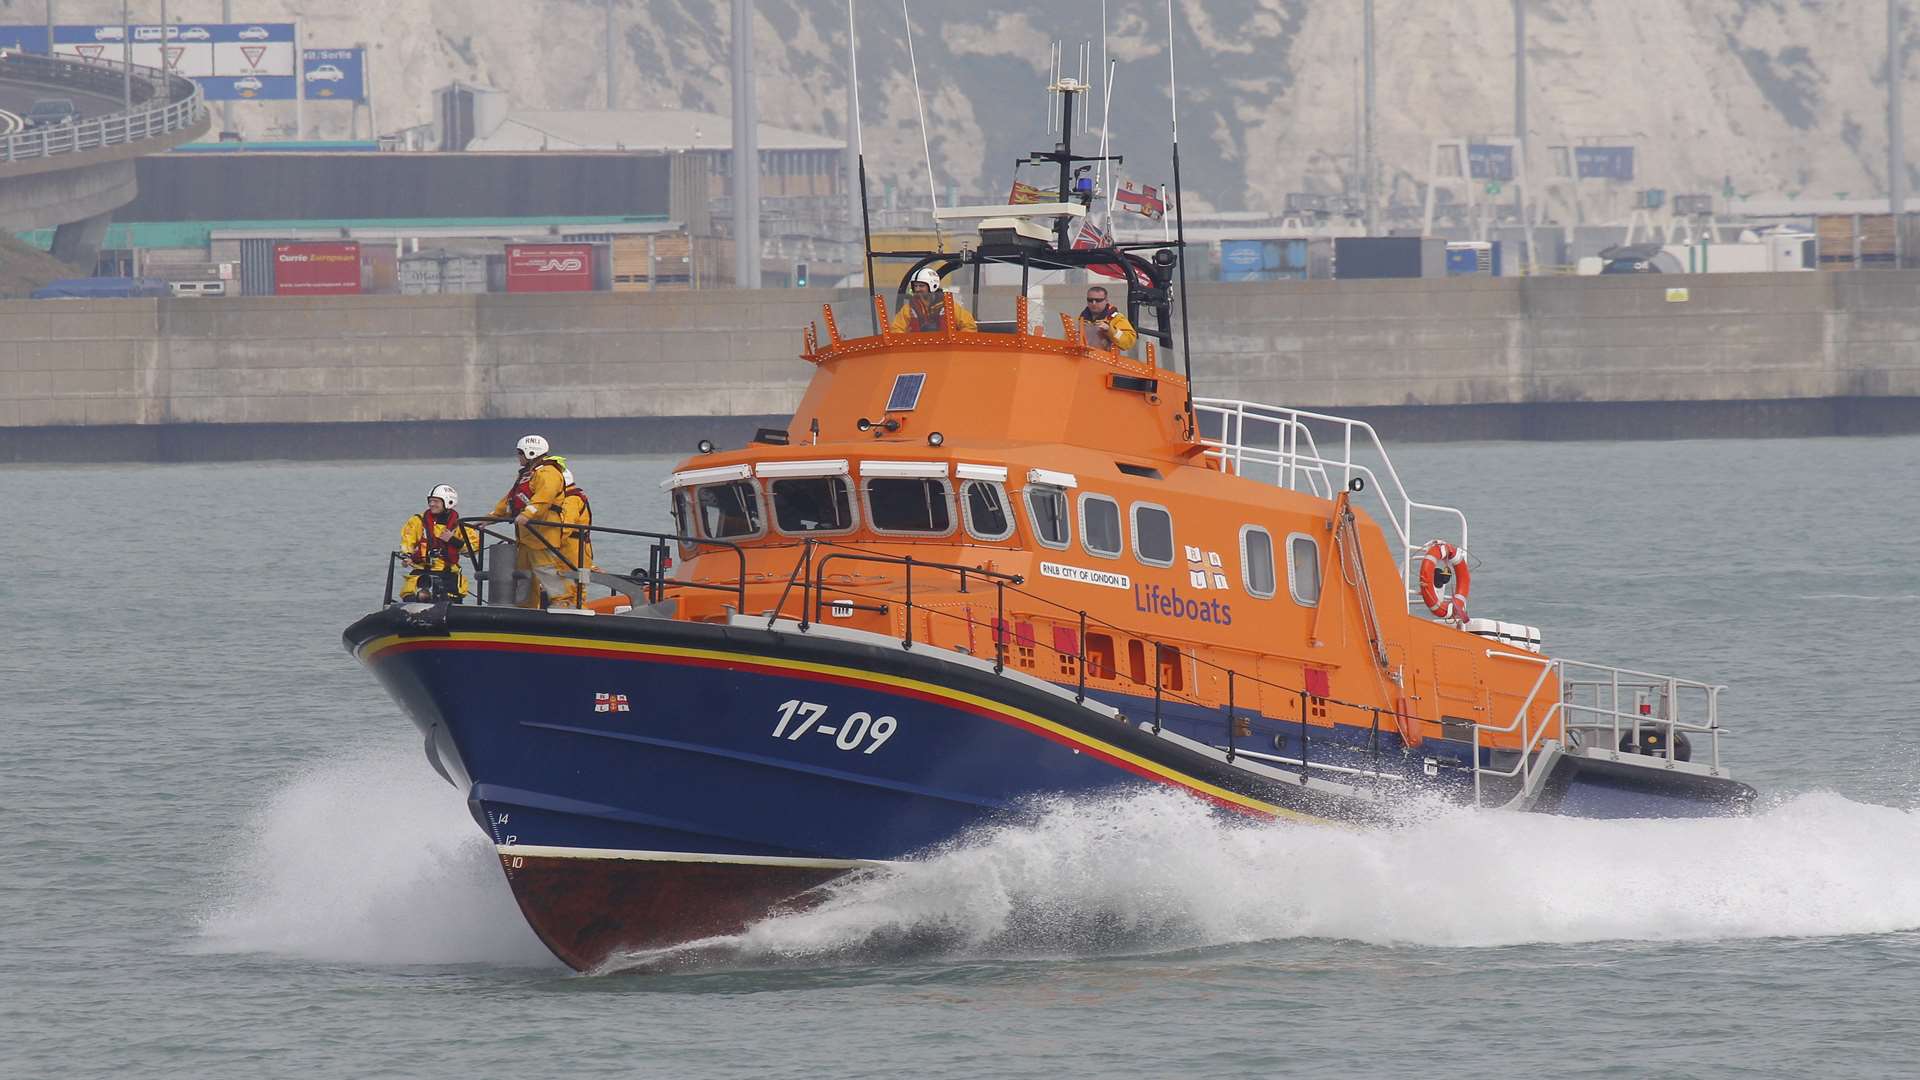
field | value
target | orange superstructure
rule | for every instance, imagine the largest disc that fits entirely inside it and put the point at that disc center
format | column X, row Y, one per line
column 1183, row 570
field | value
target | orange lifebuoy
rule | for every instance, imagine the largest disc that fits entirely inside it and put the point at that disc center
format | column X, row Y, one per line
column 1442, row 557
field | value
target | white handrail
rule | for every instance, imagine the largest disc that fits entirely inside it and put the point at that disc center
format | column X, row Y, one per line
column 1298, row 465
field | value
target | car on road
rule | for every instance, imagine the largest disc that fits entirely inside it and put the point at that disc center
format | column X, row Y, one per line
column 326, row 73
column 254, row 33
column 52, row 112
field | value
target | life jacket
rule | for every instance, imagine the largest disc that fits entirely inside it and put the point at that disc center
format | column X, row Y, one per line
column 522, row 491
column 928, row 317
column 435, row 553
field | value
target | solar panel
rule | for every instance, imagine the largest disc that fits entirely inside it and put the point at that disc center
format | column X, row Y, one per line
column 906, row 392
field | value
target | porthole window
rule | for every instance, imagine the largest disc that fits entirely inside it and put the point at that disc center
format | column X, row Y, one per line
column 811, row 505
column 1152, row 534
column 730, row 511
column 983, row 505
column 1047, row 507
column 1100, row 526
column 1256, row 561
column 1303, row 569
column 917, row 506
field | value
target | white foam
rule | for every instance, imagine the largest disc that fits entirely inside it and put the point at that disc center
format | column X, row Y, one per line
column 370, row 857
column 1159, row 872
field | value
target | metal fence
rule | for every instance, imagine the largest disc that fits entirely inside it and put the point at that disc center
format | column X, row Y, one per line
column 163, row 104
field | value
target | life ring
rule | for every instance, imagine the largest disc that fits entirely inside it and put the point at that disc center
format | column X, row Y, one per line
column 1447, row 563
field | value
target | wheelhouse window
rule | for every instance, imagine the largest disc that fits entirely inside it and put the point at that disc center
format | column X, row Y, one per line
column 1303, row 569
column 1256, row 561
column 1047, row 507
column 812, row 504
column 683, row 522
column 1152, row 534
column 1100, row 526
column 910, row 505
column 984, row 507
column 730, row 511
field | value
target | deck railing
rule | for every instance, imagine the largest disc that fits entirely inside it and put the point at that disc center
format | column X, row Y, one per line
column 1278, row 445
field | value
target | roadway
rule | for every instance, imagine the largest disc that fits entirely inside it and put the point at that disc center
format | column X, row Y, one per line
column 17, row 97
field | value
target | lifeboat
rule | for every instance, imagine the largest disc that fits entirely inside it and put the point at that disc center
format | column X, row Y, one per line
column 984, row 566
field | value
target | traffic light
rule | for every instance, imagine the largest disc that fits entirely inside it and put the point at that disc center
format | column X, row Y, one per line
column 799, row 275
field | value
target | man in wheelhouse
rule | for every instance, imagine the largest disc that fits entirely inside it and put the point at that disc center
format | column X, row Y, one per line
column 1103, row 325
column 925, row 311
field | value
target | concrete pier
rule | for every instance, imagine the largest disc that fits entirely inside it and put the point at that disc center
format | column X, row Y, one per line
column 1742, row 354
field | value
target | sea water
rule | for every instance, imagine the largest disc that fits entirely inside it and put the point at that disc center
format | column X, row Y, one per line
column 227, row 855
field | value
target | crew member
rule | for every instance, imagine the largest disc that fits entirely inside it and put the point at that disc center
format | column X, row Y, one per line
column 576, row 510
column 1103, row 325
column 533, row 504
column 926, row 308
column 432, row 542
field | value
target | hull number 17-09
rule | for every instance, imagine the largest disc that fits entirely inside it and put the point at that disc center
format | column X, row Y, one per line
column 799, row 717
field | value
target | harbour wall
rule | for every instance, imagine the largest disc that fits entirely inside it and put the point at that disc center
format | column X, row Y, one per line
column 1742, row 354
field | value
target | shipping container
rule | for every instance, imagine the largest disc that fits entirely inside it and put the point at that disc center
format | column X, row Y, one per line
column 317, row 268
column 431, row 272
column 256, row 267
column 1282, row 259
column 1473, row 257
column 1389, row 257
column 534, row 268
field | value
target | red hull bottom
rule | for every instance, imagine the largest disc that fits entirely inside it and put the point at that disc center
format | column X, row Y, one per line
column 587, row 910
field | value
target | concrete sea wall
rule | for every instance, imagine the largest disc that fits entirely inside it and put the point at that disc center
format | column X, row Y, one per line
column 1811, row 353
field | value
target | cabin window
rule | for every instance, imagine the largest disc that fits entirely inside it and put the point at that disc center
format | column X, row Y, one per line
column 683, row 521
column 917, row 505
column 1047, row 506
column 1303, row 569
column 1171, row 667
column 984, row 506
column 1099, row 656
column 1137, row 660
column 1256, row 561
column 812, row 504
column 730, row 511
column 1100, row 526
column 1152, row 534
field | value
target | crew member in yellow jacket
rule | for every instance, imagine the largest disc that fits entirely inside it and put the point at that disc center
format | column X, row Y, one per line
column 432, row 543
column 926, row 308
column 544, row 553
column 1103, row 325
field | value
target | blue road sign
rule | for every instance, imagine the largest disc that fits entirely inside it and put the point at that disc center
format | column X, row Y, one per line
column 335, row 74
column 1603, row 162
column 1487, row 162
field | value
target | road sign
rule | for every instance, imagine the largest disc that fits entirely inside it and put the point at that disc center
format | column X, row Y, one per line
column 335, row 74
column 1486, row 161
column 1603, row 162
column 229, row 60
column 1493, row 187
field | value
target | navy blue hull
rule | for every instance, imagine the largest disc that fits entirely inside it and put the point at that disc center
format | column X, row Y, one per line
column 650, row 781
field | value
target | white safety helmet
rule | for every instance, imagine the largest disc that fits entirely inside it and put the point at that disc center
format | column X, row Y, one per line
column 532, row 445
column 928, row 275
column 446, row 494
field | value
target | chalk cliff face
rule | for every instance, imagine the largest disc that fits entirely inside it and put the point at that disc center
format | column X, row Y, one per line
column 1779, row 96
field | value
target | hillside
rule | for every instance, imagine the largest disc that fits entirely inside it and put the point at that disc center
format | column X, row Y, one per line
column 1780, row 97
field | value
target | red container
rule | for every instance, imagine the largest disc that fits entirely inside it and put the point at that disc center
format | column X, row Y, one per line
column 549, row 268
column 318, row 268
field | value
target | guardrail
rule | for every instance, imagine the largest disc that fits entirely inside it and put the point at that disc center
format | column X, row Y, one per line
column 164, row 104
